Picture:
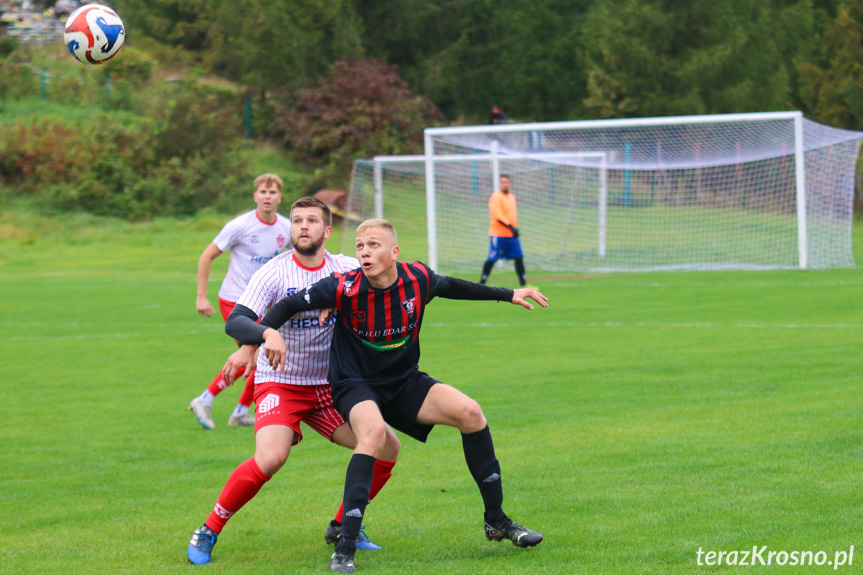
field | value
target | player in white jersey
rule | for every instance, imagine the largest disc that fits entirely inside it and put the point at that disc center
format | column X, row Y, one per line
column 252, row 240
column 300, row 392
column 307, row 341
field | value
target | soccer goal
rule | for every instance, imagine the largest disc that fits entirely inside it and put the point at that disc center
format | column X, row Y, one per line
column 395, row 187
column 740, row 191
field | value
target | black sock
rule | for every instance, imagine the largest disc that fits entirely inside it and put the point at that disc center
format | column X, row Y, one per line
column 485, row 469
column 519, row 269
column 486, row 270
column 358, row 482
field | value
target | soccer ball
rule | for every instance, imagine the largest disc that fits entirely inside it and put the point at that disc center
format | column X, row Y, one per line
column 94, row 34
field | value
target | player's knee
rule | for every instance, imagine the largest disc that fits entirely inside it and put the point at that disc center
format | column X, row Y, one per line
column 471, row 417
column 373, row 438
column 271, row 460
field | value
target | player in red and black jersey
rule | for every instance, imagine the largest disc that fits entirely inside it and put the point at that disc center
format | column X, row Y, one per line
column 375, row 376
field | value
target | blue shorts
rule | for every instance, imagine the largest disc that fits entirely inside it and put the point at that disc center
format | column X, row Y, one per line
column 503, row 248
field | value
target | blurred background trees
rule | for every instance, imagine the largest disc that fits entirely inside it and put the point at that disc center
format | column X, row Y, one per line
column 329, row 81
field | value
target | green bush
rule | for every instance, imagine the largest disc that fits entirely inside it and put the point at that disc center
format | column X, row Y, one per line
column 195, row 120
column 18, row 81
column 134, row 66
column 362, row 109
column 7, row 46
column 178, row 157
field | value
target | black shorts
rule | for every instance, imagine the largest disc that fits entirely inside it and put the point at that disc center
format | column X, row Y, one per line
column 399, row 402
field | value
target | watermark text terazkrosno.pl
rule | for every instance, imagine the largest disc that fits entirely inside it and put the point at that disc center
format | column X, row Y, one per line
column 763, row 555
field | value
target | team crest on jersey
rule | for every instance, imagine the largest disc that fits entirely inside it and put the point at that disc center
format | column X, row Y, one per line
column 290, row 291
column 410, row 305
column 253, row 239
column 348, row 285
column 280, row 241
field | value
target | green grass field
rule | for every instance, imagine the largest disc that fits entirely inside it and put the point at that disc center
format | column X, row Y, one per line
column 637, row 419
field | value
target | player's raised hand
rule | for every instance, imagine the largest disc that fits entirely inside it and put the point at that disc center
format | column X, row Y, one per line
column 275, row 350
column 204, row 307
column 521, row 295
column 243, row 358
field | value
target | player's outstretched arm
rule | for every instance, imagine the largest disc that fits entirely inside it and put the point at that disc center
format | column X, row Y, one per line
column 521, row 295
column 245, row 357
column 455, row 288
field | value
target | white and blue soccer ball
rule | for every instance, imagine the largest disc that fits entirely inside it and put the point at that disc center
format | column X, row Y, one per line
column 94, row 34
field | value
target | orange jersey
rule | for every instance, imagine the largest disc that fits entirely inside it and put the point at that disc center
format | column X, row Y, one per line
column 501, row 207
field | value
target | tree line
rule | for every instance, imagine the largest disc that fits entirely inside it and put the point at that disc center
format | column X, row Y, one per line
column 150, row 134
column 540, row 60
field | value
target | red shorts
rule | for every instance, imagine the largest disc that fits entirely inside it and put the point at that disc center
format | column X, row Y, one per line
column 226, row 307
column 282, row 404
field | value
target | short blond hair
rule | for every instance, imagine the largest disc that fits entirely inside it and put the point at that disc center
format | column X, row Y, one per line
column 266, row 180
column 388, row 228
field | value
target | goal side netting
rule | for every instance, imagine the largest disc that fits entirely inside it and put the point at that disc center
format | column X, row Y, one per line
column 746, row 191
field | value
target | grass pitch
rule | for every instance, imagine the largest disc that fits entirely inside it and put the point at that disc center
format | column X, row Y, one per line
column 638, row 419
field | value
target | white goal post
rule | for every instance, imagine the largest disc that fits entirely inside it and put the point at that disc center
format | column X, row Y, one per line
column 493, row 158
column 737, row 191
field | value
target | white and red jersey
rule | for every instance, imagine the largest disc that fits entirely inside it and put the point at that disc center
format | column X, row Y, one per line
column 251, row 243
column 307, row 341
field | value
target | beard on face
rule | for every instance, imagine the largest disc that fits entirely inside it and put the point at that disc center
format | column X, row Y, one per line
column 310, row 249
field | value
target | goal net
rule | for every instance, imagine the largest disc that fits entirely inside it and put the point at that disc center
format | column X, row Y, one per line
column 743, row 191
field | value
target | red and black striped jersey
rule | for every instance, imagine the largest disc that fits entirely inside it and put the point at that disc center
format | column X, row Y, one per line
column 376, row 337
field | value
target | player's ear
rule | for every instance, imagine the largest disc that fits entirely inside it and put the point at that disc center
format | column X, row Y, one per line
column 395, row 253
column 328, row 231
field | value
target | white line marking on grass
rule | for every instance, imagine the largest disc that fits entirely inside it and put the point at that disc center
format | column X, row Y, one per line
column 106, row 335
column 479, row 325
column 741, row 284
column 654, row 324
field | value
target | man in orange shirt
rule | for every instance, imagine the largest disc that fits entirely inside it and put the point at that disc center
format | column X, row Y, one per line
column 503, row 233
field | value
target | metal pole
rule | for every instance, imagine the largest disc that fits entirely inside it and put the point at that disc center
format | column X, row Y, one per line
column 603, row 205
column 379, row 191
column 495, row 165
column 800, row 177
column 430, row 199
column 619, row 123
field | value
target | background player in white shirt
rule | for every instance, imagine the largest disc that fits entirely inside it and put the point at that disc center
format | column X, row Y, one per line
column 252, row 240
column 298, row 392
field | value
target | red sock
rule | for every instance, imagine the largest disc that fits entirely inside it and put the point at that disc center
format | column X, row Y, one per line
column 218, row 384
column 382, row 472
column 248, row 394
column 243, row 484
